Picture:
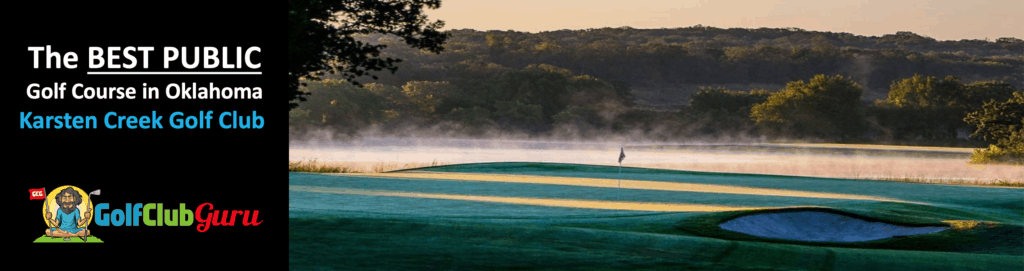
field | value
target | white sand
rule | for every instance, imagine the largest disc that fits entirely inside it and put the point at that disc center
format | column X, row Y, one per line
column 819, row 227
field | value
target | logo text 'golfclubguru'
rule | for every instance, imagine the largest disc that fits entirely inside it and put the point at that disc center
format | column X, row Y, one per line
column 132, row 213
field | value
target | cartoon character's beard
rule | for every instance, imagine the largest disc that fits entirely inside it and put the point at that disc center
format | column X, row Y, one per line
column 68, row 208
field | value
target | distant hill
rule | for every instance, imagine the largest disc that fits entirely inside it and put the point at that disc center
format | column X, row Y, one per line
column 662, row 67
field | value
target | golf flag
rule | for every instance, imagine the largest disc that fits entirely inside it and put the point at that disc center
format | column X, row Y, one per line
column 37, row 193
column 622, row 155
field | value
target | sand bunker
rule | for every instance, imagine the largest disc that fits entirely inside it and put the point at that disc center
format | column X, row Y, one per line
column 818, row 226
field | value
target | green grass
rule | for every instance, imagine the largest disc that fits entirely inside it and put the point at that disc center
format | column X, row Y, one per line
column 611, row 172
column 408, row 244
column 47, row 239
column 821, row 149
column 385, row 233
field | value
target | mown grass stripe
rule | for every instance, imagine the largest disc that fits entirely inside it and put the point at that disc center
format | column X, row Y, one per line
column 571, row 203
column 624, row 184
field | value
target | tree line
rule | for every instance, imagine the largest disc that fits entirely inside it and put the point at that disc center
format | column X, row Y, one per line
column 545, row 100
column 667, row 58
column 837, row 87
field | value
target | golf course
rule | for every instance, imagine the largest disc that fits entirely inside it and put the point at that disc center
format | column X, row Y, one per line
column 582, row 216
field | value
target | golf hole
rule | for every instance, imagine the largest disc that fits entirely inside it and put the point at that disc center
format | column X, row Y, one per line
column 820, row 226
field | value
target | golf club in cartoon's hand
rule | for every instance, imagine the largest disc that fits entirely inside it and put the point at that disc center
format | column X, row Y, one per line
column 86, row 216
column 49, row 215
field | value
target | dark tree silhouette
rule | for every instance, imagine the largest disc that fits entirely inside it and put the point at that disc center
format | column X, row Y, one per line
column 1003, row 122
column 999, row 120
column 320, row 37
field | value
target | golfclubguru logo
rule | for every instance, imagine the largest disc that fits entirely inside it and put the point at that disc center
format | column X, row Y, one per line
column 68, row 211
column 154, row 214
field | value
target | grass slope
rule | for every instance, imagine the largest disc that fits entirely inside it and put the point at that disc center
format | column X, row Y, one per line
column 398, row 244
column 358, row 232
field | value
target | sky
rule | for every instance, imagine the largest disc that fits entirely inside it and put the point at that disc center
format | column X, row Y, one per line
column 939, row 19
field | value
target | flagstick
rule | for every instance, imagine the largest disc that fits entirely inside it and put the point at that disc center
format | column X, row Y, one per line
column 618, row 183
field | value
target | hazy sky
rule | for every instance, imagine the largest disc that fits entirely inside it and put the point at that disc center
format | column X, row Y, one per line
column 939, row 19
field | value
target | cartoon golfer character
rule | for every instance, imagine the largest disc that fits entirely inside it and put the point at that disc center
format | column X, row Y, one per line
column 69, row 220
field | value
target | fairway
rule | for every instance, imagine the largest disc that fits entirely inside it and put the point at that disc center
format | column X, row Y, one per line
column 627, row 184
column 549, row 216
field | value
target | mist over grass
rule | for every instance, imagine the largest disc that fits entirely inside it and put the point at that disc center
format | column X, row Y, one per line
column 562, row 137
column 870, row 162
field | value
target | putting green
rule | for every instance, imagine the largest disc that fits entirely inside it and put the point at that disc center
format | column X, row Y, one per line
column 47, row 239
